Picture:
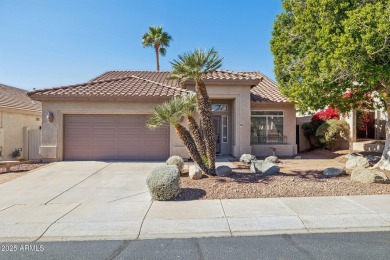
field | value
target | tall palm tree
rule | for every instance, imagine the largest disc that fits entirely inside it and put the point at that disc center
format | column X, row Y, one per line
column 192, row 66
column 172, row 112
column 158, row 39
column 189, row 109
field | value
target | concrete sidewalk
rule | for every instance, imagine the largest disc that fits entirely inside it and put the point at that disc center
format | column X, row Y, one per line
column 143, row 219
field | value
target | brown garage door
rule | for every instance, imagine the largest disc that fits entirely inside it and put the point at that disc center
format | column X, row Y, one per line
column 113, row 137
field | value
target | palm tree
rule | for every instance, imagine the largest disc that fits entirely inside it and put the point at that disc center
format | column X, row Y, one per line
column 192, row 66
column 158, row 39
column 190, row 108
column 172, row 112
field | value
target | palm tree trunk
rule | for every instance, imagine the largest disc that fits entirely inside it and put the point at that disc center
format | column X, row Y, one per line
column 195, row 132
column 206, row 117
column 189, row 143
column 156, row 47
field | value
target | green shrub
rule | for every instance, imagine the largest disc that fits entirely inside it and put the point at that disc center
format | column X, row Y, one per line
column 164, row 182
column 176, row 160
column 332, row 132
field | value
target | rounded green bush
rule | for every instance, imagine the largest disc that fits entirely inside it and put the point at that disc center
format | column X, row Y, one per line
column 176, row 160
column 331, row 132
column 164, row 182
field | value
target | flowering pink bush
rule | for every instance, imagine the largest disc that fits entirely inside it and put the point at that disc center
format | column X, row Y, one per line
column 325, row 115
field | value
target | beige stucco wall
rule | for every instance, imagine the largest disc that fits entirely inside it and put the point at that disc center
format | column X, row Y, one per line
column 240, row 117
column 12, row 124
column 289, row 129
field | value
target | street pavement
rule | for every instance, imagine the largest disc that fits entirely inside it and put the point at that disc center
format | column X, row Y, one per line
column 356, row 246
column 74, row 201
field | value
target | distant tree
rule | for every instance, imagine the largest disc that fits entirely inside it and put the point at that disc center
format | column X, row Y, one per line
column 158, row 39
column 334, row 53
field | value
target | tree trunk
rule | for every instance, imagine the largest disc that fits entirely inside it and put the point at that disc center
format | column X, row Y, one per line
column 384, row 163
column 196, row 135
column 156, row 47
column 206, row 117
column 189, row 143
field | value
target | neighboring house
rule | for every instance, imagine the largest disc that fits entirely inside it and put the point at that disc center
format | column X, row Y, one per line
column 104, row 119
column 18, row 115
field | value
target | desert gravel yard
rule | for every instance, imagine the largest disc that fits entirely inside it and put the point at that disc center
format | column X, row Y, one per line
column 297, row 178
column 18, row 171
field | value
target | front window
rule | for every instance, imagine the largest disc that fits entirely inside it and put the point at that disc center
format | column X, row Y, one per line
column 219, row 107
column 267, row 127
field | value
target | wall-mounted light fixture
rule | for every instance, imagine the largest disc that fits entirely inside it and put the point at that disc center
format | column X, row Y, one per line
column 50, row 116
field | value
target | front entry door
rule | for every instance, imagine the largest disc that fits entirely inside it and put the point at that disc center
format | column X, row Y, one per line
column 217, row 127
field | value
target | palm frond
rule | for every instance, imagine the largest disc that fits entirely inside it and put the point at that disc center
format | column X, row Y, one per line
column 162, row 51
column 192, row 65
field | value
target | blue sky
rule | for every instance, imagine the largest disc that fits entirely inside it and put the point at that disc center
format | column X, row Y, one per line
column 46, row 43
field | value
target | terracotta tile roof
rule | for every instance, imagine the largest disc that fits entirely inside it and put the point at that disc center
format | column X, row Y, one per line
column 154, row 84
column 232, row 75
column 126, row 86
column 162, row 76
column 266, row 91
column 16, row 98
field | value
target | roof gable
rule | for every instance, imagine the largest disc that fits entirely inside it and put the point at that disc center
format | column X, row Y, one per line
column 16, row 98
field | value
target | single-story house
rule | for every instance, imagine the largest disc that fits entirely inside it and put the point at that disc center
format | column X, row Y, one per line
column 104, row 119
column 18, row 115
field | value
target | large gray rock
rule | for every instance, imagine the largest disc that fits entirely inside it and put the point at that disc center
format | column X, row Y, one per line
column 352, row 155
column 357, row 161
column 272, row 159
column 263, row 167
column 247, row 158
column 194, row 172
column 372, row 159
column 364, row 175
column 333, row 172
column 223, row 171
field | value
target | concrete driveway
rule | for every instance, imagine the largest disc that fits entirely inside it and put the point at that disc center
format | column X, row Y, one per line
column 77, row 199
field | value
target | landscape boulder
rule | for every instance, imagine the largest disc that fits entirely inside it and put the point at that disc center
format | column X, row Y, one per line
column 263, row 167
column 372, row 159
column 223, row 171
column 194, row 172
column 247, row 158
column 355, row 162
column 272, row 159
column 352, row 155
column 333, row 172
column 364, row 175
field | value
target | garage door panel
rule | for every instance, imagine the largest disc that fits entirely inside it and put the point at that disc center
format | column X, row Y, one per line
column 113, row 137
column 103, row 144
column 78, row 131
column 156, row 143
column 130, row 130
column 158, row 131
column 103, row 130
column 131, row 144
column 78, row 154
column 78, row 143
